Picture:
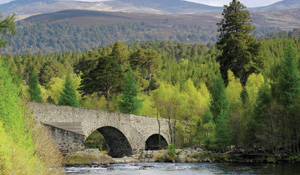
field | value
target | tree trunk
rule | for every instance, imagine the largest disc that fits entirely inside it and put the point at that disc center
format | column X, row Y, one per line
column 107, row 99
column 159, row 137
column 149, row 78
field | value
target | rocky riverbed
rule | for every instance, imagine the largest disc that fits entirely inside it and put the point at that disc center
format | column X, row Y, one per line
column 191, row 155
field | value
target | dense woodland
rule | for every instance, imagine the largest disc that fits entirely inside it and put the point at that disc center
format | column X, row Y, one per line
column 182, row 78
column 64, row 36
column 250, row 100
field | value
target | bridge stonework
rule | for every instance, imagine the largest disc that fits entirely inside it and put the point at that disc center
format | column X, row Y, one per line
column 124, row 133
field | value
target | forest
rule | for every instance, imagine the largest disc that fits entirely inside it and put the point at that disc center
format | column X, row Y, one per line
column 239, row 91
column 65, row 36
column 175, row 81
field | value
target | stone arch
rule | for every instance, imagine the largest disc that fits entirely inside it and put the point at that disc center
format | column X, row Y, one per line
column 152, row 142
column 118, row 144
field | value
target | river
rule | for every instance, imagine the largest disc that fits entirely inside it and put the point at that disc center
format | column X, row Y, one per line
column 187, row 169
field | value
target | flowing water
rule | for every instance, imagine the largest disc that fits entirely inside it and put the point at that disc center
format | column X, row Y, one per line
column 186, row 169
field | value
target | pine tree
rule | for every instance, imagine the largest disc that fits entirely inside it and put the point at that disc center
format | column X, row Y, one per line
column 288, row 87
column 68, row 95
column 34, row 89
column 129, row 102
column 240, row 49
column 104, row 79
column 220, row 110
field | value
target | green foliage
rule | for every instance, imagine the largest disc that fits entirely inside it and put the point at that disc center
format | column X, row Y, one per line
column 147, row 61
column 17, row 151
column 255, row 127
column 221, row 115
column 34, row 89
column 240, row 49
column 96, row 140
column 130, row 103
column 68, row 95
column 120, row 53
column 172, row 151
column 271, row 160
column 183, row 75
column 233, row 91
column 288, row 87
column 50, row 100
column 7, row 27
column 105, row 78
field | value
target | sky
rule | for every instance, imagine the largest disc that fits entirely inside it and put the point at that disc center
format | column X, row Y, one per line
column 248, row 3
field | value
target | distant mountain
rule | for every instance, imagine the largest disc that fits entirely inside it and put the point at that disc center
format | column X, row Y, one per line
column 26, row 8
column 17, row 5
column 281, row 5
column 284, row 19
column 79, row 30
column 173, row 6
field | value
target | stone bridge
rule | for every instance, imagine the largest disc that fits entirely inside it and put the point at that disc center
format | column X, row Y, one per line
column 124, row 133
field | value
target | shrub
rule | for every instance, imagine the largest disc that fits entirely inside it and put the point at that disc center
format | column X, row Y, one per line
column 172, row 152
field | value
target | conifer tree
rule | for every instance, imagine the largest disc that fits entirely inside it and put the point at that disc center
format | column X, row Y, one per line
column 34, row 89
column 240, row 49
column 220, row 110
column 68, row 95
column 288, row 87
column 106, row 78
column 129, row 102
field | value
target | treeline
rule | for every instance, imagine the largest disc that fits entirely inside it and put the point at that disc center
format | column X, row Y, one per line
column 294, row 34
column 177, row 81
column 63, row 37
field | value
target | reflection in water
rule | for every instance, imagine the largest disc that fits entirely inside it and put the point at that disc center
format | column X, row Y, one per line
column 186, row 169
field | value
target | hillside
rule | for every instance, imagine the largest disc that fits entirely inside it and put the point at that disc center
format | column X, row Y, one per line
column 79, row 30
column 284, row 19
column 100, row 17
column 281, row 5
column 26, row 8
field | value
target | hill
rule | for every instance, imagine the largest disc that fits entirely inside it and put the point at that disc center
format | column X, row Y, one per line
column 281, row 5
column 26, row 8
column 79, row 30
column 284, row 19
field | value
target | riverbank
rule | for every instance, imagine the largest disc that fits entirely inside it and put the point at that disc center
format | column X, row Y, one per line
column 93, row 157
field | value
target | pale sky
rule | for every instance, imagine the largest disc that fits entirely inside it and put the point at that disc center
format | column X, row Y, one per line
column 248, row 3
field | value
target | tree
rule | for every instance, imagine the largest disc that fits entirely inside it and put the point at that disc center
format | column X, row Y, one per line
column 146, row 59
column 34, row 89
column 288, row 88
column 68, row 95
column 7, row 26
column 129, row 102
column 120, row 53
column 104, row 79
column 255, row 127
column 220, row 110
column 240, row 50
column 50, row 70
